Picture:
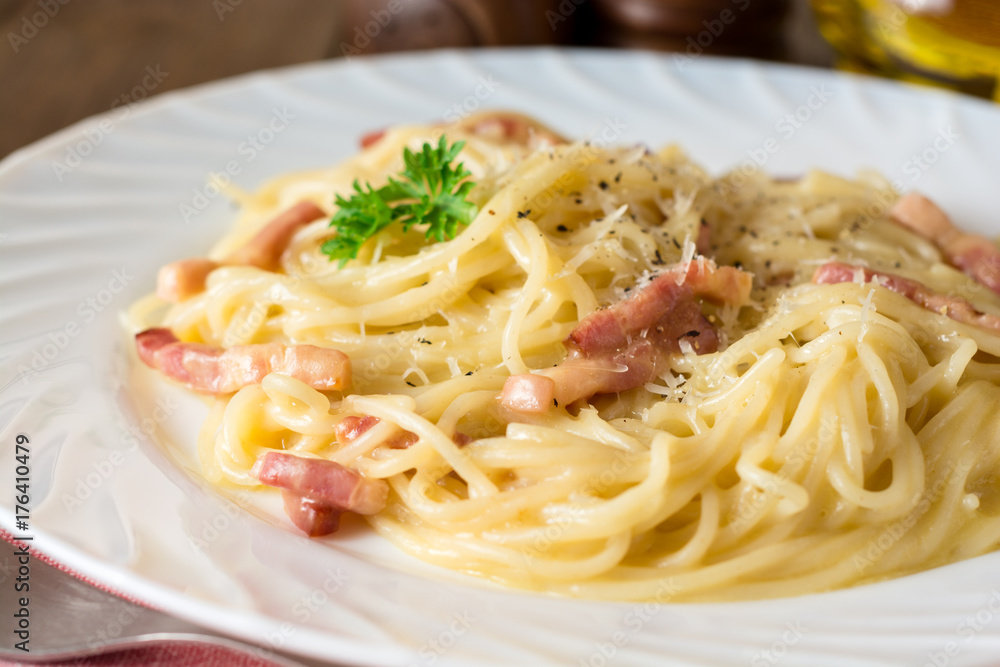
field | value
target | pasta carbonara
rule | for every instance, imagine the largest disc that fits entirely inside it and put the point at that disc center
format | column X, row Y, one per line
column 622, row 377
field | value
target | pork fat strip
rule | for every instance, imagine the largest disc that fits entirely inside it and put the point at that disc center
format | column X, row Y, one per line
column 351, row 427
column 181, row 280
column 511, row 127
column 371, row 138
column 213, row 370
column 317, row 491
column 500, row 126
column 627, row 345
column 954, row 307
column 976, row 256
column 312, row 518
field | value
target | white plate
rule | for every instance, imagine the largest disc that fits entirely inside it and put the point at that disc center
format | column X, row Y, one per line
column 89, row 214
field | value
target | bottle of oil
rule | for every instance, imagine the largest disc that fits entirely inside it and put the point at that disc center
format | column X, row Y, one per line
column 949, row 43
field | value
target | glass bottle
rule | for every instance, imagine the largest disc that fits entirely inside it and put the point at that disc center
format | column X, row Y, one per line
column 949, row 43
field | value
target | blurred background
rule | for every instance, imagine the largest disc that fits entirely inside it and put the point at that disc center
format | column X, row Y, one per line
column 64, row 60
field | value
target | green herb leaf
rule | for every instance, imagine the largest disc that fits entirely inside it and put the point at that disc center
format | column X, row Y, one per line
column 429, row 191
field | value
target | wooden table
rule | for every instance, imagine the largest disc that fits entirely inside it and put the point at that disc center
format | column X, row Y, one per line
column 64, row 60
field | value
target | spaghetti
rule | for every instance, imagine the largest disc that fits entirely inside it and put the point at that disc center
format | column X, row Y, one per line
column 839, row 430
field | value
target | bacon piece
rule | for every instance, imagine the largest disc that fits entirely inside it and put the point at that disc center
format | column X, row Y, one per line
column 617, row 349
column 510, row 127
column 371, row 138
column 265, row 249
column 317, row 491
column 499, row 126
column 704, row 243
column 349, row 428
column 976, row 256
column 954, row 307
column 312, row 518
column 214, row 370
column 528, row 393
column 181, row 280
column 626, row 345
column 666, row 302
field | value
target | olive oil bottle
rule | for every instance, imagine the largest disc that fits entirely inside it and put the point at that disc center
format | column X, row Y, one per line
column 949, row 43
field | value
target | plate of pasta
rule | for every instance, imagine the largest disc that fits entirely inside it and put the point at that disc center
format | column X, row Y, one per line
column 638, row 359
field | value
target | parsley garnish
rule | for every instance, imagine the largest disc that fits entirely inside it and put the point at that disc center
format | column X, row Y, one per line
column 429, row 191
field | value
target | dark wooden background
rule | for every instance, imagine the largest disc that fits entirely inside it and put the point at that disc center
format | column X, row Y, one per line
column 64, row 60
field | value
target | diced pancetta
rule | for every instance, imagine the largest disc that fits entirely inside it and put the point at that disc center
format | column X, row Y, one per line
column 529, row 392
column 628, row 344
column 215, row 370
column 317, row 491
column 974, row 255
column 704, row 243
column 183, row 279
column 312, row 518
column 499, row 126
column 510, row 127
column 351, row 427
column 371, row 138
column 954, row 307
